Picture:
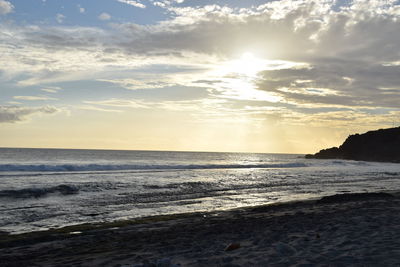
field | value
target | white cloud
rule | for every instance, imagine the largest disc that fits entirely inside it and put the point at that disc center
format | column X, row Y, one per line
column 51, row 89
column 34, row 98
column 136, row 84
column 167, row 3
column 5, row 7
column 160, row 4
column 60, row 18
column 81, row 9
column 104, row 16
column 132, row 3
column 14, row 103
column 12, row 114
column 121, row 103
column 95, row 108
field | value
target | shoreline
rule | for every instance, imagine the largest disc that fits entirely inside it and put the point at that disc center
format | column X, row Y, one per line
column 98, row 225
column 272, row 233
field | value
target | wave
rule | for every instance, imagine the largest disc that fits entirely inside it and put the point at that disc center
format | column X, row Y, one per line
column 39, row 192
column 122, row 167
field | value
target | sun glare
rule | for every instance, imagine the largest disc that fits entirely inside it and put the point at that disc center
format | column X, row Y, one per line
column 238, row 78
column 248, row 65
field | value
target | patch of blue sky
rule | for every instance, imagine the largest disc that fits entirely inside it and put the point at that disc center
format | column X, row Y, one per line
column 9, row 88
column 69, row 93
column 83, row 12
column 172, row 93
column 89, row 90
column 42, row 99
column 108, row 90
column 379, row 111
column 8, row 92
column 341, row 4
column 73, row 92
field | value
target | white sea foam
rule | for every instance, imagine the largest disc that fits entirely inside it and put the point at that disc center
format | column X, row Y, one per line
column 115, row 167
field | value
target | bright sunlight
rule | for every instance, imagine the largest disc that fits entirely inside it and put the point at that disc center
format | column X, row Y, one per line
column 238, row 78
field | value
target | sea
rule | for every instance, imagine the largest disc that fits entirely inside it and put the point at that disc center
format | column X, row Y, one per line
column 42, row 189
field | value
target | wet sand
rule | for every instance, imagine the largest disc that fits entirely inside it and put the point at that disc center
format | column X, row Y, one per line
column 345, row 230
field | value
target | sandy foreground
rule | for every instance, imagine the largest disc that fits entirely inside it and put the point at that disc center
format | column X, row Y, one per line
column 345, row 230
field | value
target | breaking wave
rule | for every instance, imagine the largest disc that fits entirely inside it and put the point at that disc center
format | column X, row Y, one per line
column 114, row 167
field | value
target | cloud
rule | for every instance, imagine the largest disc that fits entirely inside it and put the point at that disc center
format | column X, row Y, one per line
column 281, row 30
column 81, row 9
column 51, row 89
column 121, row 103
column 34, row 98
column 5, row 7
column 95, row 108
column 12, row 114
column 167, row 4
column 14, row 103
column 207, row 106
column 104, row 16
column 220, row 31
column 133, row 3
column 136, row 84
column 351, row 82
column 160, row 4
column 298, row 32
column 60, row 18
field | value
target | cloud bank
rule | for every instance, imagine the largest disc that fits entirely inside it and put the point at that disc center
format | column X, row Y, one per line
column 345, row 55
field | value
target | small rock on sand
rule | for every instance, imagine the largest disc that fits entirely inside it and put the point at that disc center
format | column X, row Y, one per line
column 232, row 246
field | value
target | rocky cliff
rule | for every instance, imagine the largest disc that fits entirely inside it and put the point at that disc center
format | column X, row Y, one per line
column 380, row 145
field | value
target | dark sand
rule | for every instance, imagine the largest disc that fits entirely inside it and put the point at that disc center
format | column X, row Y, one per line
column 351, row 230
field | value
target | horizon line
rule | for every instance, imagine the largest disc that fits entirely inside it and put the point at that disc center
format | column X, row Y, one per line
column 151, row 150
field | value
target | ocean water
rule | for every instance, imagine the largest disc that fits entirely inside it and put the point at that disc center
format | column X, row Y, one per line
column 50, row 188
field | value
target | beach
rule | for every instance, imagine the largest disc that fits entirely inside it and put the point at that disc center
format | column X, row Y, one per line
column 344, row 230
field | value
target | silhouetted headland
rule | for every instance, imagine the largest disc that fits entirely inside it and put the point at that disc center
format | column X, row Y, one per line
column 382, row 145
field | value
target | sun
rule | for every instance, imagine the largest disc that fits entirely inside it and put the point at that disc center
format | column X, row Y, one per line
column 238, row 78
column 247, row 65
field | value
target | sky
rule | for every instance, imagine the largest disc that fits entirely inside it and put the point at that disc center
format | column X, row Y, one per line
column 190, row 75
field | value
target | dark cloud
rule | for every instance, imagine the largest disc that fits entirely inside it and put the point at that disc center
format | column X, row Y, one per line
column 208, row 82
column 64, row 38
column 13, row 114
column 349, row 83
